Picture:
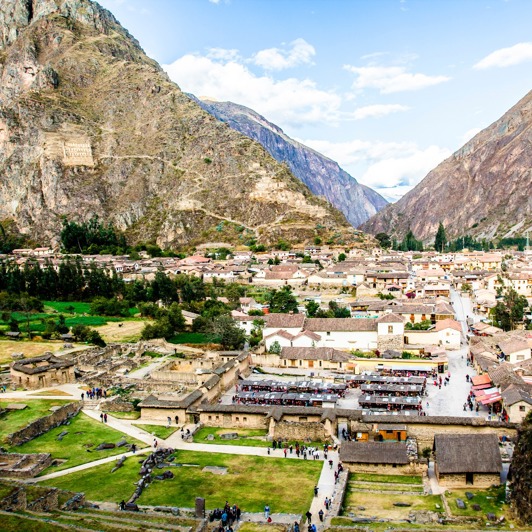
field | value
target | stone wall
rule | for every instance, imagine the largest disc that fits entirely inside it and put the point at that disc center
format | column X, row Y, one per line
column 247, row 421
column 412, row 468
column 390, row 341
column 300, row 431
column 116, row 404
column 44, row 424
column 37, row 499
column 15, row 501
column 161, row 414
column 14, row 465
column 480, row 480
column 338, row 494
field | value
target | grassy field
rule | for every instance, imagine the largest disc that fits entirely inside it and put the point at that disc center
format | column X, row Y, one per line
column 247, row 437
column 125, row 415
column 16, row 419
column 381, row 504
column 61, row 307
column 193, row 338
column 29, row 348
column 388, row 479
column 251, row 482
column 392, row 486
column 129, row 331
column 490, row 501
column 78, row 446
column 159, row 431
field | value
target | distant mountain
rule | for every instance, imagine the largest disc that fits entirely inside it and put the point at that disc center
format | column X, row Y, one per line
column 90, row 125
column 322, row 175
column 484, row 189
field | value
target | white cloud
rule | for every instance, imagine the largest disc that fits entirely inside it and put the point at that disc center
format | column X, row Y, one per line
column 223, row 54
column 504, row 57
column 214, row 1
column 383, row 165
column 300, row 53
column 392, row 79
column 378, row 110
column 289, row 101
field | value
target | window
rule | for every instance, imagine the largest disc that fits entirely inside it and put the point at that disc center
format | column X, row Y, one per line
column 210, row 418
column 522, row 408
column 328, row 333
column 390, row 329
column 245, row 418
column 320, row 363
column 300, row 362
column 217, row 418
column 237, row 418
column 339, row 364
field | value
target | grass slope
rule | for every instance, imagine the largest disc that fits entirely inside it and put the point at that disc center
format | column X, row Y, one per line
column 84, row 434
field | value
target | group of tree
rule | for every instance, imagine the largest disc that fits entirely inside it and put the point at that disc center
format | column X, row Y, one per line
column 442, row 244
column 314, row 310
column 509, row 309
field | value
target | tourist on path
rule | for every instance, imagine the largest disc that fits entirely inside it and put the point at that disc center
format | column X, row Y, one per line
column 309, row 517
column 320, row 514
column 266, row 511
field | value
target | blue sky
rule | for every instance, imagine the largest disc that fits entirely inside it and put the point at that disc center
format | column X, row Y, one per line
column 388, row 88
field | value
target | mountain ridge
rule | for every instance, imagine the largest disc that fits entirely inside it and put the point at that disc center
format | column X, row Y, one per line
column 321, row 174
column 90, row 125
column 484, row 189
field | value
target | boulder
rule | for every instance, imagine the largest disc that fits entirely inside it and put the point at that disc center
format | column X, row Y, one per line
column 461, row 504
column 491, row 517
column 469, row 495
column 402, row 504
column 476, row 507
column 104, row 446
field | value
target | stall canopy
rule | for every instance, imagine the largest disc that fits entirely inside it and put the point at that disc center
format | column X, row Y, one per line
column 481, row 379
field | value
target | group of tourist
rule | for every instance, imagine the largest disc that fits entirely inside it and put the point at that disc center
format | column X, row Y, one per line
column 94, row 393
column 227, row 516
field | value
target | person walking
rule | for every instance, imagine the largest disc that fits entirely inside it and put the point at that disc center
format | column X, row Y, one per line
column 308, row 515
column 169, row 421
column 316, row 491
column 296, row 527
column 267, row 511
column 320, row 514
column 101, row 417
column 105, row 418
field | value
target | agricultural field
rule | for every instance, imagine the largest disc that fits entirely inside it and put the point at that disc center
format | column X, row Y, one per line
column 250, row 481
column 193, row 338
column 28, row 348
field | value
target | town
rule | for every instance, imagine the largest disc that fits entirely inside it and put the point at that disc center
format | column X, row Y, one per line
column 387, row 367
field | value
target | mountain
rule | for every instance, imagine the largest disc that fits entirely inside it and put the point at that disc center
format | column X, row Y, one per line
column 322, row 175
column 484, row 189
column 89, row 124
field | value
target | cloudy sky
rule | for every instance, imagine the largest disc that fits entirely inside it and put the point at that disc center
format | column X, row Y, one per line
column 388, row 88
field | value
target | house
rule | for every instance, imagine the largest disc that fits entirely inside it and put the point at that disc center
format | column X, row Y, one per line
column 42, row 372
column 463, row 460
column 517, row 402
column 515, row 350
column 449, row 333
column 319, row 358
column 387, row 458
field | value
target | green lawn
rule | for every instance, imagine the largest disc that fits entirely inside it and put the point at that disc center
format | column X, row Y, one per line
column 193, row 338
column 247, row 437
column 159, row 431
column 18, row 523
column 14, row 420
column 490, row 500
column 381, row 486
column 84, row 435
column 388, row 479
column 125, row 415
column 251, row 482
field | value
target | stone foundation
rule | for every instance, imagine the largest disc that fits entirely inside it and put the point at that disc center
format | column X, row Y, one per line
column 300, row 431
column 13, row 465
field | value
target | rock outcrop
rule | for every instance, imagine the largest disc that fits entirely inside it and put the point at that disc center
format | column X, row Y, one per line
column 90, row 124
column 484, row 189
column 323, row 176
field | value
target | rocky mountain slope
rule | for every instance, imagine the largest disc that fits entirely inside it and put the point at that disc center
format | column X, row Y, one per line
column 484, row 189
column 89, row 124
column 322, row 175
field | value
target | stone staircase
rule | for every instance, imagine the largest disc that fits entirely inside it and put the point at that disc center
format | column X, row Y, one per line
column 91, row 404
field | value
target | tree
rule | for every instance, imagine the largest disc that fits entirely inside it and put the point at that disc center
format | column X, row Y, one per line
column 234, row 292
column 282, row 300
column 384, row 240
column 441, row 239
column 275, row 348
column 312, row 307
column 342, row 257
column 339, row 312
column 230, row 334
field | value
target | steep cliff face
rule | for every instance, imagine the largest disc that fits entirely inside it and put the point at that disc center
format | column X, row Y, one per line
column 322, row 175
column 484, row 189
column 89, row 124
